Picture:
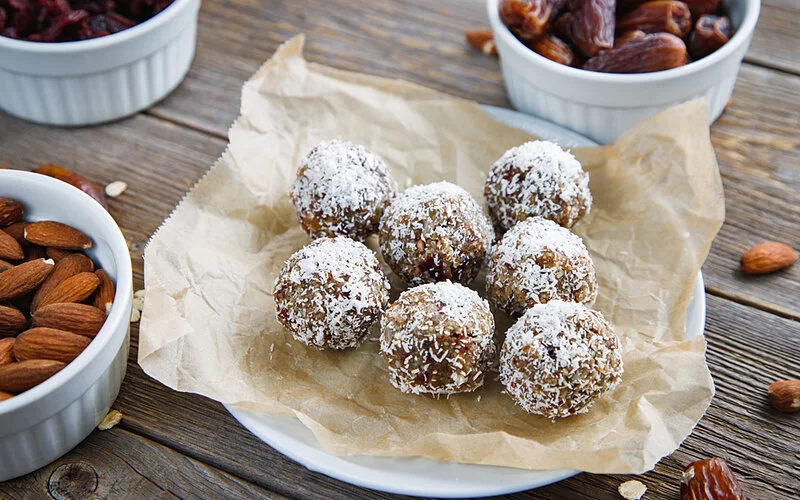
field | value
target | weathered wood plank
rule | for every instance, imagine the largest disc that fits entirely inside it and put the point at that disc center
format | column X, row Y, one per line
column 756, row 142
column 748, row 349
column 775, row 39
column 415, row 40
column 758, row 149
column 120, row 464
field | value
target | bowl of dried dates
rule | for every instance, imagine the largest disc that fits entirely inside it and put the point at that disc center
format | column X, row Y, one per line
column 82, row 62
column 66, row 293
column 601, row 66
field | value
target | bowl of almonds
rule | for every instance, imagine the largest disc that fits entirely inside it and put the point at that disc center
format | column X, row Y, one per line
column 65, row 308
column 600, row 67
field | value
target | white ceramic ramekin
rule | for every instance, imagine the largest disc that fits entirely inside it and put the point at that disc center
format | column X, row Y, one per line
column 98, row 80
column 603, row 105
column 43, row 423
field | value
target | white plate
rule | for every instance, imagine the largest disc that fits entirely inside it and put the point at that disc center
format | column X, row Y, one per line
column 422, row 476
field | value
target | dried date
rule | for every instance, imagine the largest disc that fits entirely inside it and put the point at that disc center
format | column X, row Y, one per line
column 659, row 16
column 628, row 36
column 655, row 52
column 710, row 33
column 555, row 49
column 527, row 19
column 593, row 25
column 710, row 479
column 701, row 7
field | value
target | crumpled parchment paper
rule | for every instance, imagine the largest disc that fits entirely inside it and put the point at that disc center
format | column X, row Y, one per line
column 209, row 323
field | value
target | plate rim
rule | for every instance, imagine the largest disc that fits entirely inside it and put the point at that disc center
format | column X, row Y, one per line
column 318, row 460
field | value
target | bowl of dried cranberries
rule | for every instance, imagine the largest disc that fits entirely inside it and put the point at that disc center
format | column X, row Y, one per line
column 601, row 66
column 82, row 62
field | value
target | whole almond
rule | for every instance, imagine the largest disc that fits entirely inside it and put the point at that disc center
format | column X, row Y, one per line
column 19, row 377
column 80, row 319
column 104, row 297
column 57, row 254
column 9, row 248
column 17, row 231
column 73, row 289
column 24, row 278
column 12, row 321
column 5, row 395
column 785, row 395
column 57, row 235
column 5, row 266
column 49, row 343
column 482, row 40
column 7, row 351
column 67, row 267
column 10, row 211
column 768, row 257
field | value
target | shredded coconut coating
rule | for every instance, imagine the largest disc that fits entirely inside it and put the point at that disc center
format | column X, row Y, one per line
column 559, row 358
column 341, row 190
column 538, row 261
column 330, row 293
column 437, row 339
column 435, row 232
column 537, row 178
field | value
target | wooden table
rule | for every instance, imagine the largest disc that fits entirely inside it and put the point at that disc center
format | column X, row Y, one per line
column 174, row 444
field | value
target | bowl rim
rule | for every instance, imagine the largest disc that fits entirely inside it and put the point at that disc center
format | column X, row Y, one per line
column 118, row 319
column 740, row 37
column 141, row 29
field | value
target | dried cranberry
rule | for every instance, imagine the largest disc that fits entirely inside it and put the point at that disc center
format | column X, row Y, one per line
column 67, row 20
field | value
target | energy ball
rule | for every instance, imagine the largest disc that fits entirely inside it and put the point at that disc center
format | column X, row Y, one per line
column 559, row 358
column 437, row 339
column 435, row 232
column 537, row 178
column 536, row 262
column 330, row 293
column 341, row 190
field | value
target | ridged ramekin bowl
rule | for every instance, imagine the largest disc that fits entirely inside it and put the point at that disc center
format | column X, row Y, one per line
column 604, row 105
column 102, row 79
column 43, row 423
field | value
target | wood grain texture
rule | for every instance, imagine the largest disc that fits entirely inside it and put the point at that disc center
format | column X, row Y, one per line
column 417, row 40
column 775, row 39
column 183, row 445
column 120, row 464
column 748, row 349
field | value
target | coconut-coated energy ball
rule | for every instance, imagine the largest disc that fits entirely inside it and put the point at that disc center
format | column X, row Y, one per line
column 331, row 293
column 537, row 178
column 538, row 261
column 435, row 232
column 558, row 358
column 437, row 339
column 341, row 189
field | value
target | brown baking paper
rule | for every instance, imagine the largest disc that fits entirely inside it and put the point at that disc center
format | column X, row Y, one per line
column 209, row 323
